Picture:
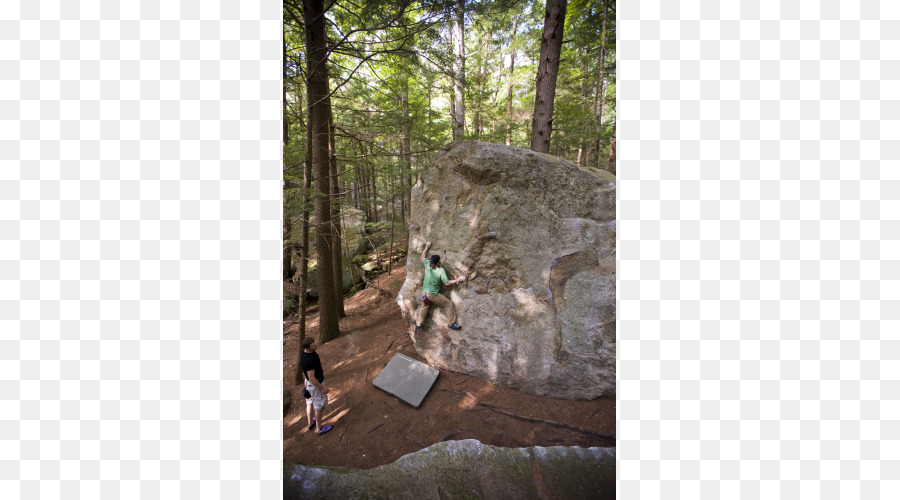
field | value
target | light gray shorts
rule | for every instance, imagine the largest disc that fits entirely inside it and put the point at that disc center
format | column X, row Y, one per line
column 318, row 400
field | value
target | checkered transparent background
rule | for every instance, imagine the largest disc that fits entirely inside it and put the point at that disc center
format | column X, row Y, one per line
column 759, row 277
column 140, row 217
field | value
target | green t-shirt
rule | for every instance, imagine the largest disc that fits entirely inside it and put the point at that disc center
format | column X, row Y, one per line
column 433, row 278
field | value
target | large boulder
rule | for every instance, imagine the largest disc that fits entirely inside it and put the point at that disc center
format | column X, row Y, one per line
column 353, row 241
column 536, row 235
column 466, row 469
column 353, row 238
column 353, row 230
column 351, row 276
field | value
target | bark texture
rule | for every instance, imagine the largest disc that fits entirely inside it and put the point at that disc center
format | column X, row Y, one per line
column 287, row 249
column 337, row 261
column 512, row 71
column 611, row 164
column 548, row 69
column 598, row 92
column 459, row 69
column 317, row 85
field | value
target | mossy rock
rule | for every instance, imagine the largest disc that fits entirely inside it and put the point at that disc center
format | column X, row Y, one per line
column 466, row 469
column 351, row 277
column 288, row 304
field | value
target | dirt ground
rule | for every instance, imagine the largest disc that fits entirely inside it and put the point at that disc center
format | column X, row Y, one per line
column 372, row 428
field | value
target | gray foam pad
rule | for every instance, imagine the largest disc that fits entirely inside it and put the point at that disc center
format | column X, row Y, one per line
column 406, row 379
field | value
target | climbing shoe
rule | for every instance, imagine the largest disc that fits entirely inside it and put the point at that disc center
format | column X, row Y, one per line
column 325, row 428
column 454, row 326
column 313, row 424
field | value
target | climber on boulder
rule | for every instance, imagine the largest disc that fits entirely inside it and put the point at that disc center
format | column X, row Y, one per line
column 434, row 276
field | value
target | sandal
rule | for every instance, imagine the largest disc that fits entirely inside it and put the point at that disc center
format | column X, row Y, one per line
column 324, row 430
column 313, row 424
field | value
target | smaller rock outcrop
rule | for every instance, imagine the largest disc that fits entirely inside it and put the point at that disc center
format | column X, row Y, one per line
column 466, row 469
column 354, row 241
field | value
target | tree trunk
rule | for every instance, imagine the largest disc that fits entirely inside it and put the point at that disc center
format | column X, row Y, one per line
column 512, row 68
column 374, row 188
column 459, row 70
column 598, row 94
column 407, row 152
column 360, row 187
column 363, row 173
column 287, row 249
column 317, row 91
column 362, row 176
column 304, row 250
column 479, row 95
column 611, row 164
column 428, row 128
column 453, row 112
column 338, row 268
column 393, row 210
column 581, row 161
column 548, row 69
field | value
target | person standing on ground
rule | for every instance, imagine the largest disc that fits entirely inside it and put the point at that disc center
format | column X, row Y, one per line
column 315, row 378
column 435, row 275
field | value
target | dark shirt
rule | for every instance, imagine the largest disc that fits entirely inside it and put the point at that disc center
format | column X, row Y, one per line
column 310, row 361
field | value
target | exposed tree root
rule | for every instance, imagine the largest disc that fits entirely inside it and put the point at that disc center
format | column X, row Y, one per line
column 392, row 342
column 508, row 413
column 601, row 411
column 542, row 421
column 464, row 393
column 448, row 436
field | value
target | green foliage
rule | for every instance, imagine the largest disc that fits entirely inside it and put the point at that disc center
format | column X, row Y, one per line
column 288, row 304
column 377, row 227
column 390, row 70
column 378, row 234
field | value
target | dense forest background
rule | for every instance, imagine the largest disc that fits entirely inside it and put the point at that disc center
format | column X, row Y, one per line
column 371, row 89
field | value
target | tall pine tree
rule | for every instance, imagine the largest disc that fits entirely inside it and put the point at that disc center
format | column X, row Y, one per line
column 548, row 69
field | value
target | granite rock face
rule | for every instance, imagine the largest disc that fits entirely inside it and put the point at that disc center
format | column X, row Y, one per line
column 466, row 469
column 351, row 275
column 536, row 235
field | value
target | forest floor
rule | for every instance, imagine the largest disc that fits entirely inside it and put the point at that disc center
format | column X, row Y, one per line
column 372, row 428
